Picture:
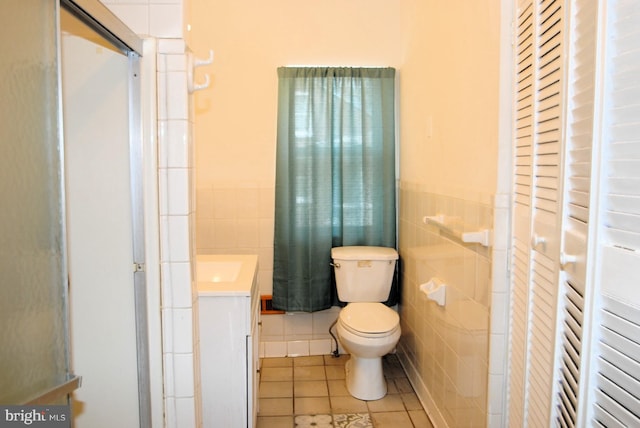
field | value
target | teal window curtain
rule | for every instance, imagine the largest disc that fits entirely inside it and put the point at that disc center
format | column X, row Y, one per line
column 335, row 175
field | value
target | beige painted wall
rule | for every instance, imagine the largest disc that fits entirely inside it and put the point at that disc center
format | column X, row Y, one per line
column 236, row 118
column 449, row 96
column 446, row 54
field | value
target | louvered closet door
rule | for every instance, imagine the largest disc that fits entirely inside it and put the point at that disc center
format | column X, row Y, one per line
column 521, row 213
column 546, row 192
column 581, row 65
column 535, row 213
column 616, row 387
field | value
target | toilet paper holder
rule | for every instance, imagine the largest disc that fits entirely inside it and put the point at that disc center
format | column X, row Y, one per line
column 435, row 290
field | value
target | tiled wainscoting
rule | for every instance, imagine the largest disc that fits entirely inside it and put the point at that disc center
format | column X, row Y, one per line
column 446, row 349
column 297, row 334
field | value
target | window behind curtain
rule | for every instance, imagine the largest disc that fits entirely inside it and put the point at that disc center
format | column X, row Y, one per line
column 335, row 175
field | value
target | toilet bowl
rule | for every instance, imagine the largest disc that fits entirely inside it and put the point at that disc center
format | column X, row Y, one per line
column 366, row 328
column 367, row 331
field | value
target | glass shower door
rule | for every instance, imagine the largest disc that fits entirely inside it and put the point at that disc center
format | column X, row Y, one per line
column 34, row 364
column 102, row 307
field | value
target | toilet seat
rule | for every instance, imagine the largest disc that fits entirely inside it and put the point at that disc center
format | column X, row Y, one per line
column 369, row 319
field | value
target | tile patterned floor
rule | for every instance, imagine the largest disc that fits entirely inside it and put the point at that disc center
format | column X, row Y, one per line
column 306, row 392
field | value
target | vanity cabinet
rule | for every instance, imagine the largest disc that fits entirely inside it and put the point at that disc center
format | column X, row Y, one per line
column 229, row 358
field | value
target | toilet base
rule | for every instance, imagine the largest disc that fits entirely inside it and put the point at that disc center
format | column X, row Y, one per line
column 365, row 378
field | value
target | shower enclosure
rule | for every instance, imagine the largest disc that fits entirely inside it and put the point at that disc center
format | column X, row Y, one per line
column 33, row 355
column 73, row 264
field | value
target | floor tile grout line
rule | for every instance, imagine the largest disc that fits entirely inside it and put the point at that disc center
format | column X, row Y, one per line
column 325, row 380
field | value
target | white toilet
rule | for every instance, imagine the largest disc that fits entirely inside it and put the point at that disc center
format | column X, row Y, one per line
column 367, row 329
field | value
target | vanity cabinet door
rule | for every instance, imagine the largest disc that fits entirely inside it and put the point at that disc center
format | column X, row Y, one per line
column 253, row 369
column 224, row 333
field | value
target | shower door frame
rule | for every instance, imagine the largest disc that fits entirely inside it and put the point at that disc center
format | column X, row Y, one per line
column 100, row 19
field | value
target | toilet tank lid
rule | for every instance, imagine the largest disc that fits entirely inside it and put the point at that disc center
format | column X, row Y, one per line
column 363, row 253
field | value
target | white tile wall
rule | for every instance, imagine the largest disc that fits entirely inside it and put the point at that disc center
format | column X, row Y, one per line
column 164, row 20
column 237, row 218
column 273, row 349
column 321, row 347
column 157, row 18
column 297, row 334
column 136, row 16
column 177, row 216
column 446, row 348
column 298, row 348
column 499, row 339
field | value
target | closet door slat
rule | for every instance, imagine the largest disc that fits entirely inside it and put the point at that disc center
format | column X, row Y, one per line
column 618, row 383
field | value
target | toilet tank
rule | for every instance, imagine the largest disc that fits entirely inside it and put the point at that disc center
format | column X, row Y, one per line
column 364, row 274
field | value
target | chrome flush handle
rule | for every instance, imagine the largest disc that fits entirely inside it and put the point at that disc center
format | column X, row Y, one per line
column 335, row 265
